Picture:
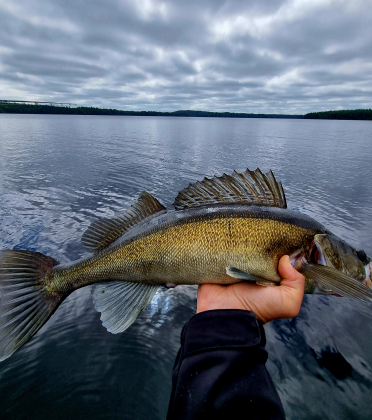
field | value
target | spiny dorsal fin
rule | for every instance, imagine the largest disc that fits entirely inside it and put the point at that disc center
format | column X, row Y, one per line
column 249, row 188
column 103, row 232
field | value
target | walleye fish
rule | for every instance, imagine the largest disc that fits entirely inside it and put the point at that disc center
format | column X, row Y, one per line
column 224, row 230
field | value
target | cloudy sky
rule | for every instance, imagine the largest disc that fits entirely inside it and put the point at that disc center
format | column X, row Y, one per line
column 272, row 56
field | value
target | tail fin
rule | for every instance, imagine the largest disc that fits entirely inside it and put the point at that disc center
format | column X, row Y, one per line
column 25, row 302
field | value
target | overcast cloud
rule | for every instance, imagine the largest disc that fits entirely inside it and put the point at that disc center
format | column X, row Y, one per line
column 282, row 56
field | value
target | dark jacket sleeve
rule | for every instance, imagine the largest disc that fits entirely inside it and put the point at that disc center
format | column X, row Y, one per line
column 220, row 370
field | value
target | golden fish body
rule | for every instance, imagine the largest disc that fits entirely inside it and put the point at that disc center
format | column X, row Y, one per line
column 196, row 246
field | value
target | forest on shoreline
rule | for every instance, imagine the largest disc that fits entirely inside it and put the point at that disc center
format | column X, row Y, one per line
column 14, row 108
column 355, row 114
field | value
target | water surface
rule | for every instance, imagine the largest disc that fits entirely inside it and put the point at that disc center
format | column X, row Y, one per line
column 59, row 173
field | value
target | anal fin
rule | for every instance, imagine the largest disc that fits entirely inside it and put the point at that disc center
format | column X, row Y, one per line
column 120, row 303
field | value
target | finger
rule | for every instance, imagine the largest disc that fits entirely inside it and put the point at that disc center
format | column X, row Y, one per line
column 290, row 276
column 292, row 287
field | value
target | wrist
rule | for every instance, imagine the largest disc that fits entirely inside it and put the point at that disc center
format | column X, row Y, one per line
column 222, row 328
column 214, row 306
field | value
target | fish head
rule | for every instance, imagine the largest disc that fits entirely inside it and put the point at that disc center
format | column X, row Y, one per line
column 334, row 252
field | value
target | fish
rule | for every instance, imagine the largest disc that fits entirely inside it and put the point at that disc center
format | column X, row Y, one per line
column 225, row 229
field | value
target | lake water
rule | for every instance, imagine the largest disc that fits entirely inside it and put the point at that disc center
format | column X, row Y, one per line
column 59, row 173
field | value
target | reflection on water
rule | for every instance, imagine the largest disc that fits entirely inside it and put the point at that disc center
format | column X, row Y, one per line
column 58, row 173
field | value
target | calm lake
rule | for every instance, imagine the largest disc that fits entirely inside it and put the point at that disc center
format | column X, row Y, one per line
column 60, row 173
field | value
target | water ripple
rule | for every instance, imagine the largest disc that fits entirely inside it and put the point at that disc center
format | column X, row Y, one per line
column 59, row 173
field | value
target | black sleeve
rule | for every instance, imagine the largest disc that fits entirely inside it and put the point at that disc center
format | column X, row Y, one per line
column 220, row 370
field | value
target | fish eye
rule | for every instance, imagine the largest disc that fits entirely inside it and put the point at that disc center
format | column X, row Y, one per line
column 363, row 256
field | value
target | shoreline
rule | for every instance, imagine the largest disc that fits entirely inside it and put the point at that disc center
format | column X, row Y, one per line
column 13, row 108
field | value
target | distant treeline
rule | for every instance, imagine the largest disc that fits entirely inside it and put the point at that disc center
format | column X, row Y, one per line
column 9, row 108
column 82, row 110
column 356, row 114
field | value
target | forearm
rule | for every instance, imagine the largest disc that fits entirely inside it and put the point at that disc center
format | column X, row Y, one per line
column 220, row 370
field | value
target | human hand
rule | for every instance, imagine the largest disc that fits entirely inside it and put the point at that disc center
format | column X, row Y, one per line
column 267, row 303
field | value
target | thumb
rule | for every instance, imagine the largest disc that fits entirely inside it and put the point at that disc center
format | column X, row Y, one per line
column 292, row 287
column 290, row 276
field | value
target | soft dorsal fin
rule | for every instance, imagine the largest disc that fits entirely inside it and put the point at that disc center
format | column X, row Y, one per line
column 103, row 232
column 249, row 188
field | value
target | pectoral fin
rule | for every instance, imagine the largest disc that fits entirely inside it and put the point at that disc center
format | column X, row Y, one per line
column 337, row 281
column 242, row 275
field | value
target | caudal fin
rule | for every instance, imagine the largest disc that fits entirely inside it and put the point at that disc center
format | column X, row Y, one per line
column 25, row 302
